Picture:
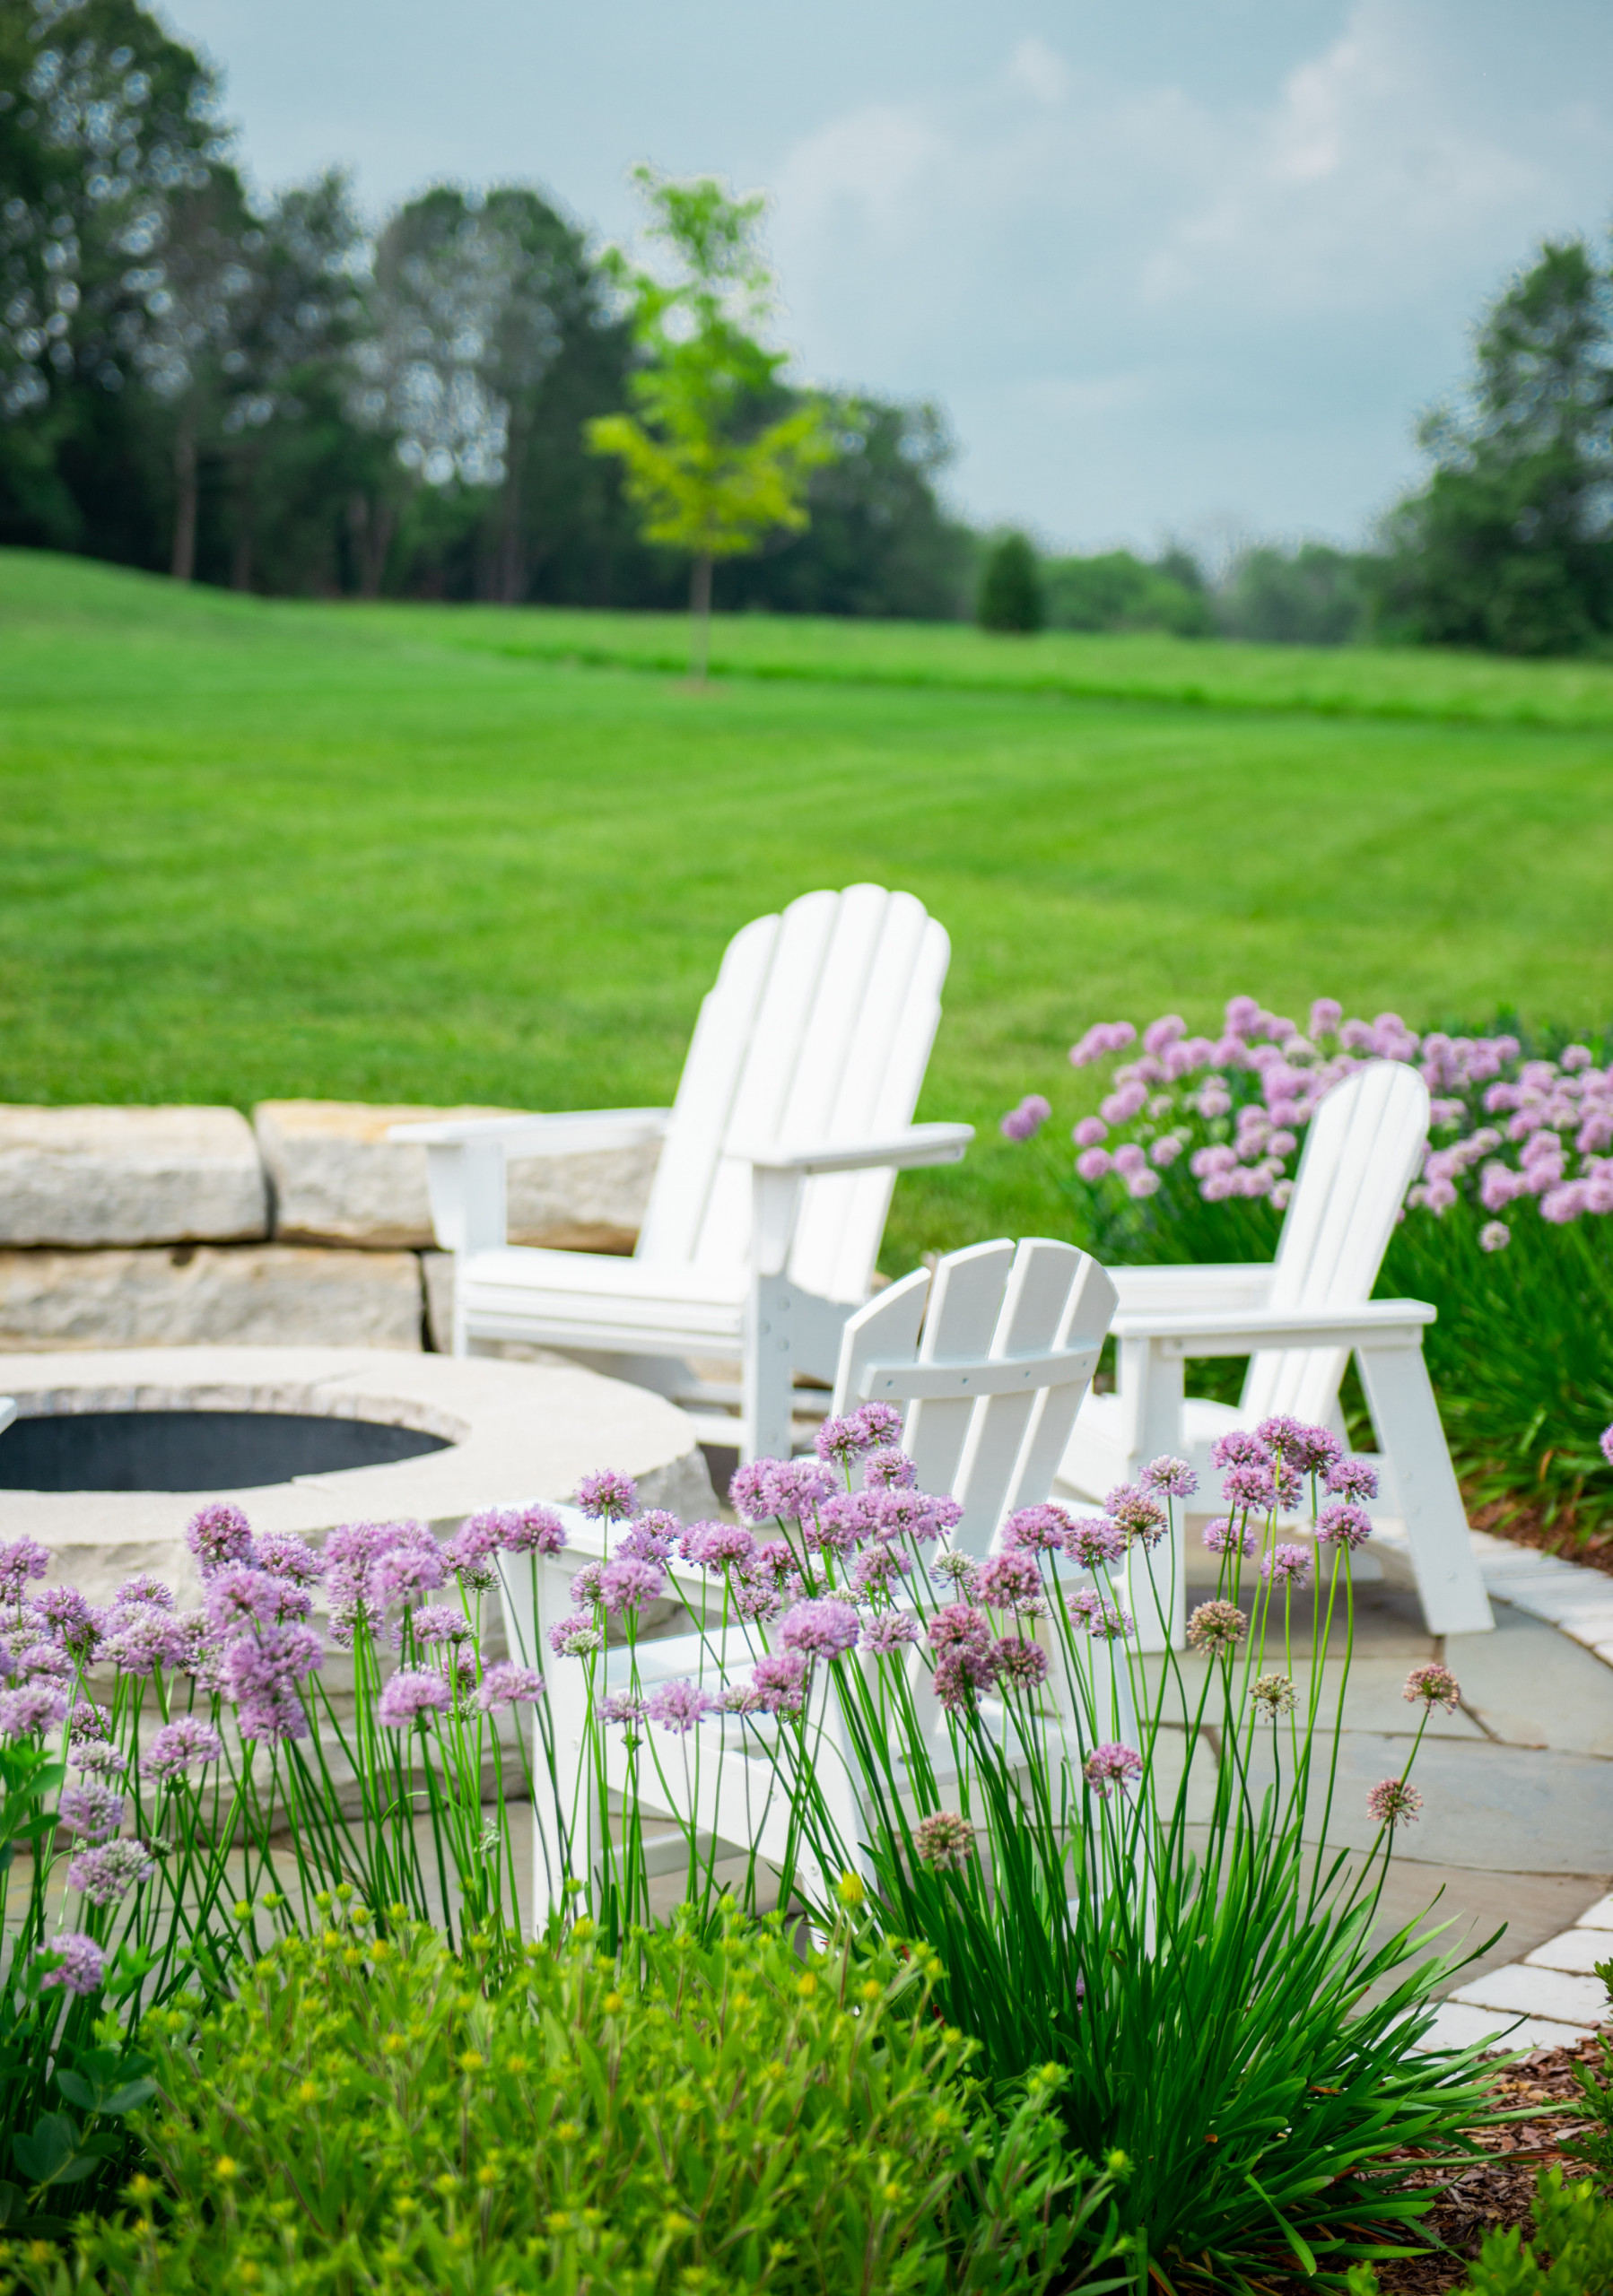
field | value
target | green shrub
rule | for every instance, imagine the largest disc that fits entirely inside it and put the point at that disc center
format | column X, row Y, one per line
column 714, row 2111
column 1010, row 597
column 1570, row 2254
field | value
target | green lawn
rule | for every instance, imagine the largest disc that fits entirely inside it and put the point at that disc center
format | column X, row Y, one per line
column 386, row 852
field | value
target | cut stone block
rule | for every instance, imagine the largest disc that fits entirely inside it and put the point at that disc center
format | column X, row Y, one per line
column 1576, row 1949
column 1456, row 2025
column 1538, row 1993
column 337, row 1179
column 89, row 1175
column 187, row 1296
column 1599, row 1916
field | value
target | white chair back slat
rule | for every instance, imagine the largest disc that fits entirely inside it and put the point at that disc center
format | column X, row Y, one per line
column 1363, row 1148
column 872, row 1027
column 1088, row 1311
column 780, row 1029
column 886, row 1331
column 1035, row 1298
column 818, row 1029
column 965, row 1299
column 681, row 1190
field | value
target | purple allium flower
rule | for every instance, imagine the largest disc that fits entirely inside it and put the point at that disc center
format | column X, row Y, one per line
column 1174, row 1477
column 721, row 1546
column 680, row 1706
column 413, row 1695
column 1107, row 1621
column 1341, row 1523
column 574, row 1636
column 218, row 1534
column 607, row 1497
column 1111, row 1766
column 201, row 1651
column 22, row 1560
column 627, row 1585
column 109, row 1872
column 1092, row 1164
column 1606, row 1442
column 652, row 1537
column 1393, row 1803
column 469, row 1556
column 1091, row 1132
column 1287, row 1566
column 881, row 1423
column 144, row 1642
column 1095, row 1543
column 748, row 1489
column 838, row 1441
column 1435, row 1685
column 44, row 1662
column 1238, row 1448
column 1273, row 1695
column 1021, row 1665
column 92, row 1810
column 1249, row 1487
column 958, row 1626
column 283, row 1556
column 844, row 1521
column 406, row 1572
column 439, row 1623
column 1137, row 1512
column 1036, row 1530
column 880, row 1570
column 795, row 1489
column 944, row 1841
column 952, row 1566
column 260, row 1666
column 1494, row 1236
column 742, row 1698
column 781, row 1679
column 891, row 1632
column 625, row 1709
column 821, row 1628
column 80, row 1963
column 68, row 1617
column 757, row 1599
column 1007, row 1582
column 508, row 1684
column 1025, row 1121
column 902, row 1514
column 35, row 1706
column 89, row 1725
column 239, row 1600
column 273, row 1718
column 146, row 1587
column 1353, row 1479
column 1217, row 1628
column 187, row 1744
column 889, row 1469
column 1311, row 1449
column 962, row 1672
column 585, row 1583
column 98, row 1760
column 530, row 1530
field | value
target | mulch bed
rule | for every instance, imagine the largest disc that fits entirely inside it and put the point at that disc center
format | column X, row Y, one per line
column 1498, row 2192
column 1523, row 1527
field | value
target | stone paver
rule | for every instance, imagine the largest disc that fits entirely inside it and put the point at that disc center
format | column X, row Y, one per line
column 1578, row 1949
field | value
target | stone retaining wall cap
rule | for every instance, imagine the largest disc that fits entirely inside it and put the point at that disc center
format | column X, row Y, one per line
column 88, row 1175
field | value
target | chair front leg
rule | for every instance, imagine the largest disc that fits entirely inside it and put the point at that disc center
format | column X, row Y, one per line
column 1401, row 1398
column 766, row 1346
column 1150, row 1390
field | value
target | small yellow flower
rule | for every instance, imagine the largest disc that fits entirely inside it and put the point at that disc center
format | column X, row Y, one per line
column 343, row 1891
column 890, row 2195
column 488, row 2177
column 396, row 1912
column 676, row 2227
column 225, row 2169
column 612, row 2004
column 322, row 1900
column 380, row 1951
column 566, row 2132
column 952, row 2036
column 144, row 2227
column 359, row 1915
column 248, row 2272
column 558, row 2221
column 40, row 2252
column 1118, row 2164
column 394, row 2045
column 273, row 1899
column 851, row 1891
column 807, row 1985
column 516, row 2065
column 593, row 2218
column 140, row 2188
column 870, row 1989
column 405, row 2203
column 447, row 2184
column 353, row 1957
column 329, row 1937
column 583, row 1928
column 307, row 2092
column 471, row 2060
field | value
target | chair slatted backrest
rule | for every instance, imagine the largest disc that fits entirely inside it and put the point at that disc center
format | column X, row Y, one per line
column 1040, row 1302
column 1363, row 1148
column 819, row 1029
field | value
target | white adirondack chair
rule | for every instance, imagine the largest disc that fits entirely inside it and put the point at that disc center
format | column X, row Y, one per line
column 1298, row 1319
column 778, row 1155
column 1009, row 1343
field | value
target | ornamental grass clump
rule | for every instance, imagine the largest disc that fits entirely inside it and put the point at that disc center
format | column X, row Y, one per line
column 707, row 2109
column 1192, row 1154
column 1127, row 1866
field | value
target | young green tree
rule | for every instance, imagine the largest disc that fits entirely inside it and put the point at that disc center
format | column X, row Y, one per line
column 708, row 469
column 1010, row 596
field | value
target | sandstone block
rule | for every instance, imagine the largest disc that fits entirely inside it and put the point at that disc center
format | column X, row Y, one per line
column 267, row 1294
column 337, row 1179
column 91, row 1176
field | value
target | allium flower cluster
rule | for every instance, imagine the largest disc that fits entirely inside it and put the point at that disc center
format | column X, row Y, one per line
column 627, row 1585
column 1432, row 1685
column 218, row 1534
column 1139, row 1513
column 944, row 1841
column 820, row 1627
column 185, row 1743
column 21, row 1561
column 92, row 1810
column 1273, row 1695
column 80, row 1963
column 779, row 1681
column 508, row 1684
column 1287, row 1566
column 1341, row 1523
column 412, row 1697
column 607, row 1497
column 35, row 1707
column 1217, row 1628
column 110, row 1871
column 1112, row 1768
column 679, row 1707
column 575, row 1636
column 1009, row 1582
column 1393, row 1803
column 1222, row 1537
column 1095, row 1543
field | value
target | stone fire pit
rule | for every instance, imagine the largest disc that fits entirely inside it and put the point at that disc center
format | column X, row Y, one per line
column 111, row 1452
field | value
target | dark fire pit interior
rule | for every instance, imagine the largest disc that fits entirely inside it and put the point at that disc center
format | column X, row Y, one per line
column 193, row 1450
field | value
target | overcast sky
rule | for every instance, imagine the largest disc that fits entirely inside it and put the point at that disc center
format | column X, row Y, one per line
column 1172, row 266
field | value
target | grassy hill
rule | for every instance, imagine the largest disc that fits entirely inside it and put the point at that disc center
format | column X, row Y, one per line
column 255, row 848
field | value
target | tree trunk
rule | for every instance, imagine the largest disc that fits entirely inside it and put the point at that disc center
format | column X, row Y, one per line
column 240, row 553
column 371, row 525
column 511, row 569
column 182, row 565
column 700, row 616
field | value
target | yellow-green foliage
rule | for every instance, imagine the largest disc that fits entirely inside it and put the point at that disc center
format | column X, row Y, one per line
column 711, row 2113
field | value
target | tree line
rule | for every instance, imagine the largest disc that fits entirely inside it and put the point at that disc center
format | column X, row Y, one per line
column 265, row 395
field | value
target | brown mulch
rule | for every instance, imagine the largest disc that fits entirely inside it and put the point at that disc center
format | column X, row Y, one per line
column 1498, row 2192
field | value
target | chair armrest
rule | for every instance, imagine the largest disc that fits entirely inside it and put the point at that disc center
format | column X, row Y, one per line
column 1192, row 1289
column 1374, row 1323
column 570, row 1135
column 919, row 1144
